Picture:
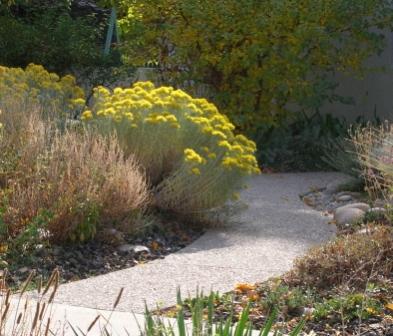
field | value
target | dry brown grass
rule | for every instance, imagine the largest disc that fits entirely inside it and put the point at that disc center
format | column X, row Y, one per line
column 80, row 179
column 350, row 260
column 374, row 148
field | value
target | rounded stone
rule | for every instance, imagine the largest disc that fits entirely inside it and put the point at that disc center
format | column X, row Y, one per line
column 332, row 187
column 377, row 210
column 346, row 215
column 344, row 198
column 362, row 206
column 126, row 248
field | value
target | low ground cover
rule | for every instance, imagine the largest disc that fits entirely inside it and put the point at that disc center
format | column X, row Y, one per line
column 344, row 287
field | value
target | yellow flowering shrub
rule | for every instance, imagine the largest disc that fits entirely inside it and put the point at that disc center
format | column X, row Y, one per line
column 34, row 86
column 191, row 154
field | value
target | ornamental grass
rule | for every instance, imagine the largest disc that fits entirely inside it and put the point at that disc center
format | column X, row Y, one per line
column 63, row 185
column 374, row 149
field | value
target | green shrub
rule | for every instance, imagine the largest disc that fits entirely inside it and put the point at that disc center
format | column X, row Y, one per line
column 193, row 159
column 257, row 58
column 299, row 143
column 46, row 32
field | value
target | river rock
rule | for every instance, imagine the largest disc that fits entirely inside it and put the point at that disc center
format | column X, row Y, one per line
column 126, row 248
column 141, row 248
column 348, row 215
column 344, row 198
column 377, row 210
column 362, row 206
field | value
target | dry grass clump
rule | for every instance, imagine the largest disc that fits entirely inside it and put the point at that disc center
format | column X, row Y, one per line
column 374, row 148
column 351, row 260
column 64, row 184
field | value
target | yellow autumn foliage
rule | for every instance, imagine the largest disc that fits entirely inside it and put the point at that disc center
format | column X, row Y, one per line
column 259, row 58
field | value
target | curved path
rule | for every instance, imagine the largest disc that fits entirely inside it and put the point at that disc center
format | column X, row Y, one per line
column 263, row 242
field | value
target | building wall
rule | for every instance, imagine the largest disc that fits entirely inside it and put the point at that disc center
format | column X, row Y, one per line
column 372, row 94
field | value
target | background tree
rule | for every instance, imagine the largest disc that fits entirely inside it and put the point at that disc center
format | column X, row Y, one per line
column 260, row 59
column 55, row 33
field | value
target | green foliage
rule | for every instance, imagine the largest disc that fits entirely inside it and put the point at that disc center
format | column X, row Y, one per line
column 340, row 154
column 289, row 301
column 34, row 233
column 258, row 59
column 45, row 32
column 347, row 307
column 89, row 213
column 299, row 143
column 204, row 323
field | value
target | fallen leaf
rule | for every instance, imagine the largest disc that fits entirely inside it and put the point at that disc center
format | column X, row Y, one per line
column 308, row 201
column 371, row 311
column 389, row 306
column 3, row 248
column 155, row 246
column 244, row 287
column 253, row 295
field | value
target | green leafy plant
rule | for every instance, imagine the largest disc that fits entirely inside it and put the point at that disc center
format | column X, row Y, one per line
column 35, row 233
column 203, row 322
column 299, row 143
column 289, row 301
column 347, row 307
column 48, row 33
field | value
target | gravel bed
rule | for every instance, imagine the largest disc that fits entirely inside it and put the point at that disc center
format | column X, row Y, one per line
column 100, row 256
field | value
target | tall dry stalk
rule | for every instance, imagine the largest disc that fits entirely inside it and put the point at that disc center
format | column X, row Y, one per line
column 374, row 148
column 20, row 315
column 79, row 179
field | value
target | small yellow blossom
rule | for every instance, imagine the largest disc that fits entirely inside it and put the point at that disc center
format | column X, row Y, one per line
column 87, row 115
column 196, row 171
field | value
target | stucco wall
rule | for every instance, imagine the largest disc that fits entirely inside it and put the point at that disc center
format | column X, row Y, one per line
column 372, row 94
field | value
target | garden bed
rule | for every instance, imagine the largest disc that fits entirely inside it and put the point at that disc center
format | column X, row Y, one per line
column 100, row 256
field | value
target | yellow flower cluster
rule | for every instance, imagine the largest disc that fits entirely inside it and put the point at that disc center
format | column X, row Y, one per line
column 209, row 133
column 35, row 85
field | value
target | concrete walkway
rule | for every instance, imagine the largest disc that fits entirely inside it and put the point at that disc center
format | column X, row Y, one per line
column 275, row 229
